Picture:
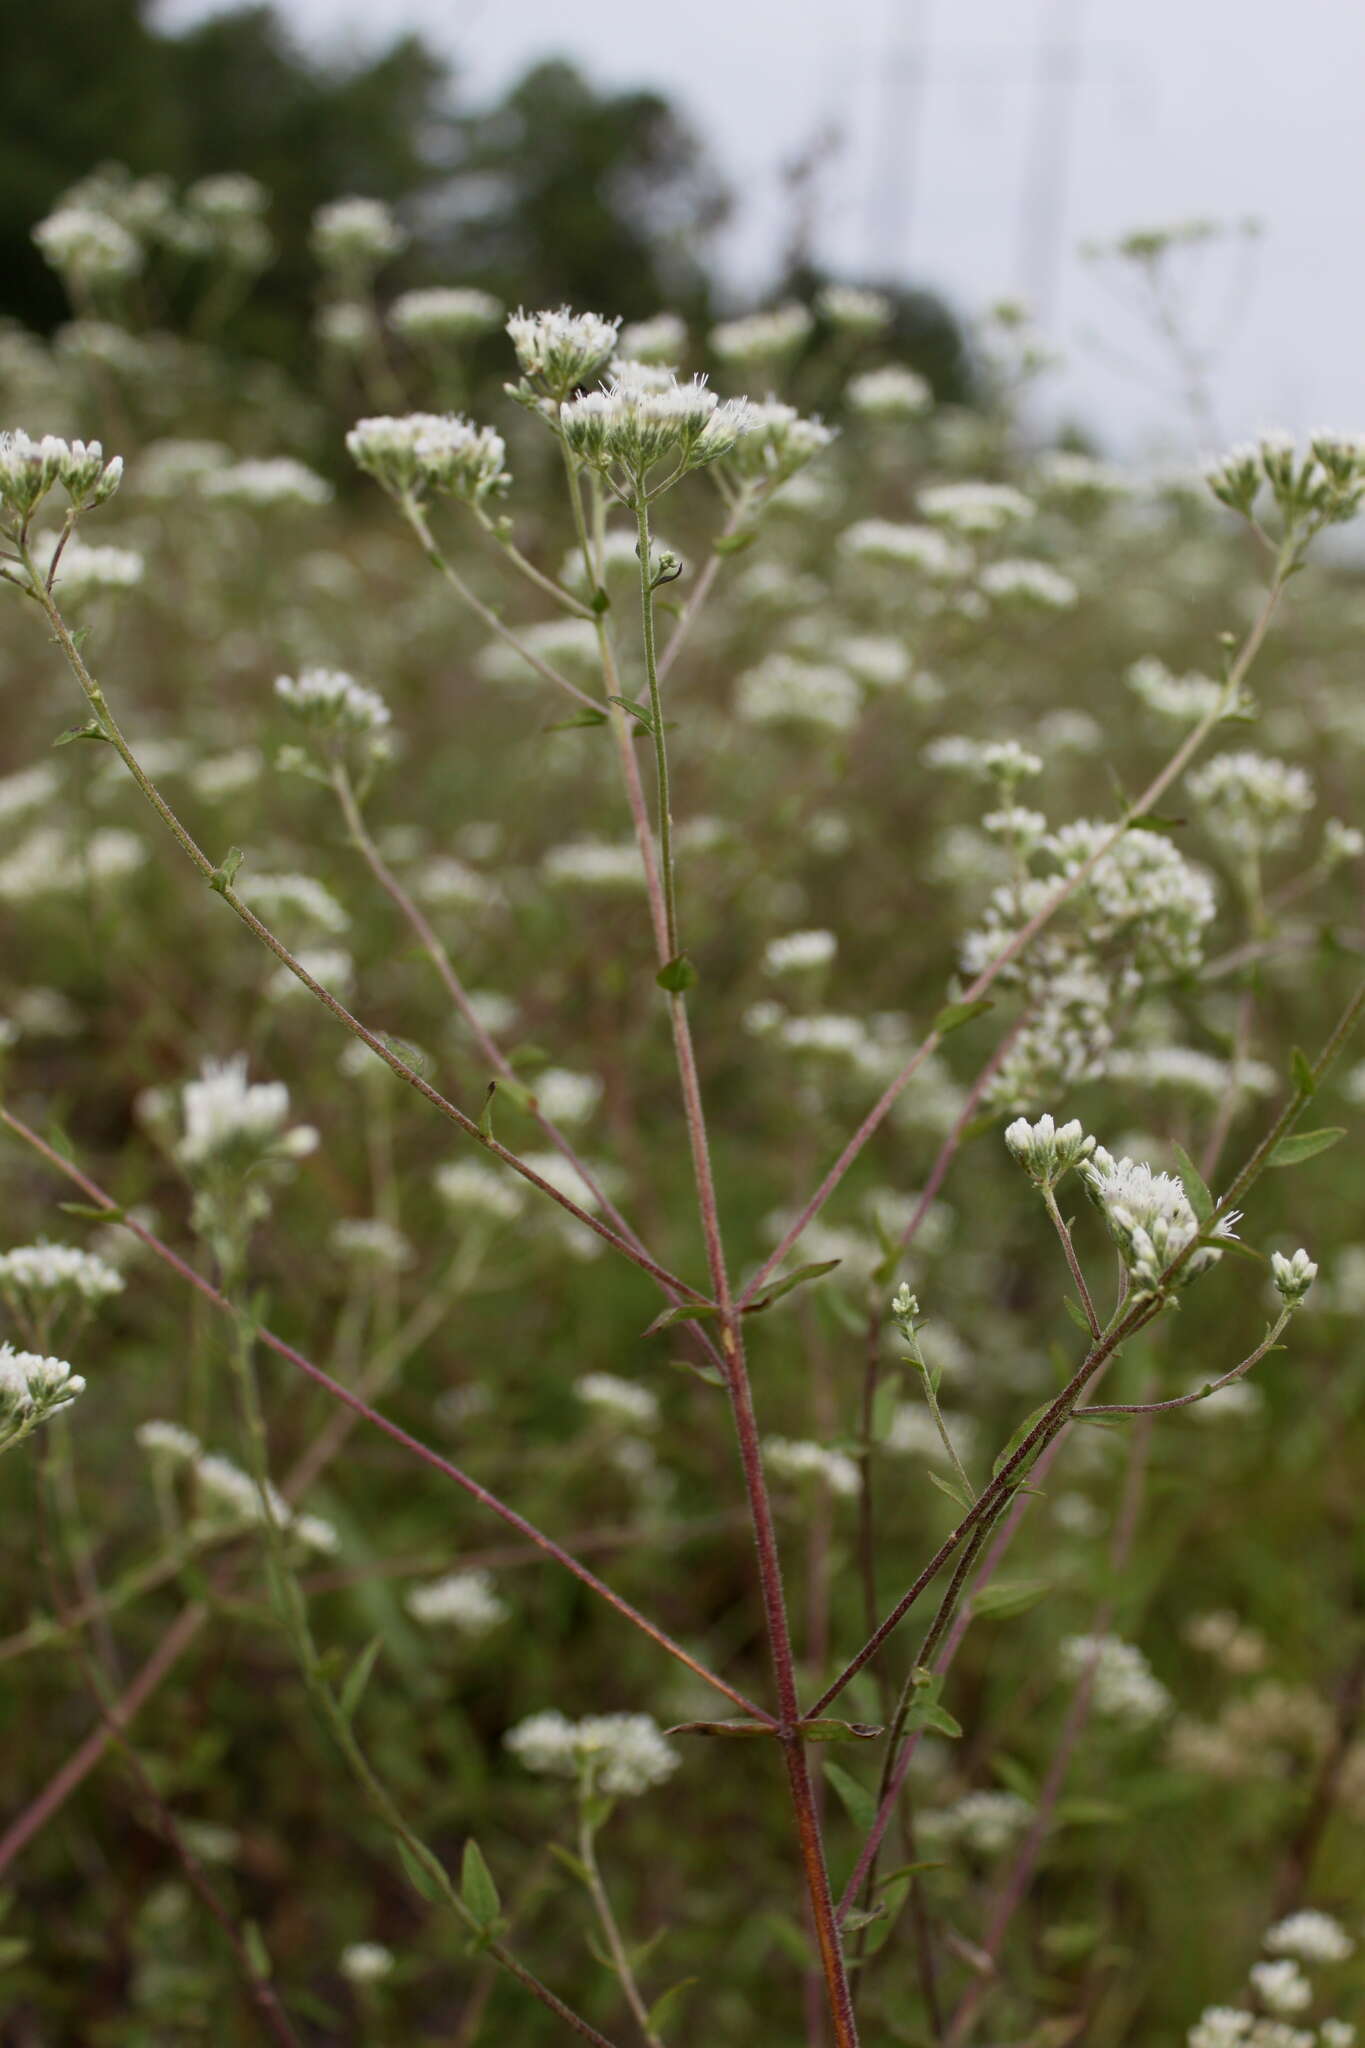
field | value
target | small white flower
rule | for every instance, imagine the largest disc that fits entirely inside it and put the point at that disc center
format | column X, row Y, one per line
column 1029, row 583
column 890, row 393
column 422, row 452
column 560, row 350
column 467, row 1184
column 444, row 313
column 462, row 1600
column 168, row 1440
column 1292, row 1277
column 260, row 484
column 33, row 1271
column 332, row 699
column 854, row 309
column 366, row 1962
column 620, row 1399
column 1312, row 1936
column 1124, row 1687
column 623, row 1754
column 32, row 1388
column 793, row 1459
column 1282, row 1986
column 1046, row 1150
column 973, row 508
column 760, row 337
column 795, row 952
column 371, row 1241
column 355, row 233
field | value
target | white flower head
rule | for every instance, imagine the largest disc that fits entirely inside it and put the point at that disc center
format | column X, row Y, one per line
column 444, row 313
column 466, row 1601
column 355, row 235
column 1150, row 1217
column 333, row 700
column 1281, row 1986
column 1312, row 1937
column 1293, row 1277
column 230, row 1121
column 32, row 1388
column 421, row 452
column 1047, row 1150
column 620, row 1754
column 792, row 1458
column 560, row 350
column 366, row 1962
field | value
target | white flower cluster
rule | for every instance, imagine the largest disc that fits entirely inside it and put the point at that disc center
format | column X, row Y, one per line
column 32, row 1388
column 462, row 1600
column 565, row 1097
column 1254, row 802
column 620, row 1400
column 783, row 689
column 560, row 350
column 620, row 1754
column 421, row 452
column 983, row 1823
column 1149, row 1217
column 1311, row 1936
column 29, row 469
column 88, row 248
column 902, row 545
column 973, row 508
column 355, row 234
column 467, row 1184
column 1187, row 698
column 444, row 313
column 1321, row 487
column 261, row 483
column 37, row 1272
column 332, row 699
column 762, row 337
column 777, row 442
column 225, row 1493
column 372, row 1242
column 854, row 309
column 1195, row 1073
column 366, row 1962
column 46, row 863
column 793, row 1458
column 1027, row 583
column 1293, row 1277
column 1002, row 761
column 796, row 952
column 891, row 393
column 302, row 896
column 660, row 340
column 644, row 417
column 1124, row 1687
column 594, row 864
column 231, row 1121
column 1047, row 1150
column 85, row 571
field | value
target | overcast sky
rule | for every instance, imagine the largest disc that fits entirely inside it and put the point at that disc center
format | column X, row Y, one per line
column 970, row 164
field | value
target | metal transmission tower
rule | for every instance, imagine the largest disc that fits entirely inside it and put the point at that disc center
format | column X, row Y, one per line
column 893, row 187
column 1045, row 187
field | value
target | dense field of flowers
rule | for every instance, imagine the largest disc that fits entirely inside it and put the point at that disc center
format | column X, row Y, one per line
column 680, row 1301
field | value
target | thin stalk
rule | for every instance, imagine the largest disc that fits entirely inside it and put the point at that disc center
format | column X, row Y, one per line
column 411, row 1444
column 1074, row 1264
column 416, row 519
column 656, row 708
column 606, row 1920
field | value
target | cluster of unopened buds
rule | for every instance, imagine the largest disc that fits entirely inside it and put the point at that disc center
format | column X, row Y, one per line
column 29, row 469
column 32, row 1389
column 1047, row 1150
column 1322, row 487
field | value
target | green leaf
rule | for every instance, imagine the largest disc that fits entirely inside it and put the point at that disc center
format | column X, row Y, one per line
column 738, row 1727
column 1306, row 1145
column 583, row 718
column 640, row 712
column 864, row 1917
column 257, row 1954
column 420, row 1878
column 953, row 1487
column 1301, row 1073
column 477, row 1888
column 733, row 543
column 1077, row 1314
column 91, row 730
column 600, row 601
column 91, row 1213
column 929, row 1714
column 955, row 1015
column 676, row 975
column 788, row 1282
column 486, row 1113
column 667, row 2000
column 517, row 1092
column 1090, row 1813
column 685, row 1312
column 225, row 874
column 359, row 1677
column 859, row 1804
column 1023, row 1430
column 573, row 1864
column 1153, row 821
column 1005, row 1597
column 825, row 1730
column 1200, row 1200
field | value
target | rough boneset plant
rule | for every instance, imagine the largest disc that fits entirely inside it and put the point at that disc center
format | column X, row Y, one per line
column 1081, row 934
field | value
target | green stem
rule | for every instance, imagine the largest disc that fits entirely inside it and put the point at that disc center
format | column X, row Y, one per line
column 616, row 1948
column 657, row 719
